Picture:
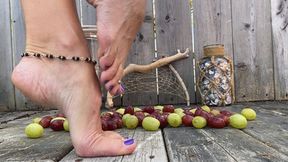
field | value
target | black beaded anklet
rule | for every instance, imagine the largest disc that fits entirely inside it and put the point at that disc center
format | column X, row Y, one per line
column 62, row 58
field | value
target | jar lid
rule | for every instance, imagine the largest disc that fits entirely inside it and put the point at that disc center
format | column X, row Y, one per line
column 214, row 50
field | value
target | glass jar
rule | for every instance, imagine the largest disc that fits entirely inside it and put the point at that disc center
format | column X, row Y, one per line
column 216, row 80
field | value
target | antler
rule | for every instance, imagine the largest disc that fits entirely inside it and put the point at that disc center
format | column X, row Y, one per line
column 161, row 62
column 148, row 68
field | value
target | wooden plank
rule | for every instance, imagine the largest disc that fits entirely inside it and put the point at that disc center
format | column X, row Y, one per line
column 188, row 144
column 142, row 52
column 78, row 7
column 242, row 146
column 88, row 13
column 173, row 31
column 7, row 98
column 279, row 13
column 270, row 126
column 15, row 146
column 73, row 157
column 151, row 147
column 252, row 43
column 213, row 25
column 10, row 116
column 18, row 47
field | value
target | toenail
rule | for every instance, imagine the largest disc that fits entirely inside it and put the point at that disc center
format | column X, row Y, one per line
column 129, row 141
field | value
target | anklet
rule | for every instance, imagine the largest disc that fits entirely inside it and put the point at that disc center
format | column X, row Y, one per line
column 62, row 58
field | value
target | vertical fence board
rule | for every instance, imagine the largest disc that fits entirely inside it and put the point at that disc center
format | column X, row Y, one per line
column 173, row 29
column 279, row 12
column 213, row 25
column 78, row 7
column 88, row 13
column 142, row 52
column 18, row 47
column 252, row 44
column 7, row 98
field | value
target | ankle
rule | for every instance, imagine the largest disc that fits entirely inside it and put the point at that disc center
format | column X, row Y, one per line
column 66, row 46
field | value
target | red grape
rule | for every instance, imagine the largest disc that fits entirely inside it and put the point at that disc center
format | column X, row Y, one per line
column 129, row 110
column 149, row 109
column 60, row 115
column 225, row 118
column 57, row 124
column 118, row 122
column 45, row 121
column 111, row 125
column 163, row 121
column 216, row 122
column 168, row 108
column 187, row 120
column 140, row 115
column 226, row 113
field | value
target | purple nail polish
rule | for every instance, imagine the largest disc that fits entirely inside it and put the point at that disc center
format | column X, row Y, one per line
column 122, row 89
column 129, row 141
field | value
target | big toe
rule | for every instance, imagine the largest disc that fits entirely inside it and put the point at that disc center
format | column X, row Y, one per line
column 108, row 146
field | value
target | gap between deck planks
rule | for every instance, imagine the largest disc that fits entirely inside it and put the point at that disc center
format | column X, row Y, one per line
column 263, row 140
column 15, row 146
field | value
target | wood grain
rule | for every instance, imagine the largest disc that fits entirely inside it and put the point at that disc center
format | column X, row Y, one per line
column 252, row 43
column 88, row 13
column 212, row 25
column 173, row 31
column 150, row 147
column 189, row 144
column 15, row 146
column 142, row 52
column 242, row 146
column 7, row 98
column 279, row 13
column 18, row 47
column 270, row 126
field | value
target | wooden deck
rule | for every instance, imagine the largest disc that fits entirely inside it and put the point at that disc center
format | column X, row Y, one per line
column 265, row 139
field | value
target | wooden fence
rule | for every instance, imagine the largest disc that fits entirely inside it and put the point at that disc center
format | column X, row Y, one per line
column 254, row 33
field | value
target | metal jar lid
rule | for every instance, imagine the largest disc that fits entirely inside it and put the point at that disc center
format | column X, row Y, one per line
column 214, row 50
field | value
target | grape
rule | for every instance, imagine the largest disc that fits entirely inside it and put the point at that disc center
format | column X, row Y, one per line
column 129, row 110
column 150, row 124
column 131, row 122
column 149, row 109
column 163, row 121
column 168, row 108
column 216, row 122
column 187, row 120
column 174, row 120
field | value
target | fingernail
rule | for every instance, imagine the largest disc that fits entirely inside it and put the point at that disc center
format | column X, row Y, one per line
column 122, row 88
column 129, row 141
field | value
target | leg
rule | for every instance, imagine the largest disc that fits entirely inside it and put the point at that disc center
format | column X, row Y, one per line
column 118, row 21
column 53, row 27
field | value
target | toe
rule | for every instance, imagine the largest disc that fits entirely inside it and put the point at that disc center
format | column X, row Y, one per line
column 113, row 85
column 107, row 59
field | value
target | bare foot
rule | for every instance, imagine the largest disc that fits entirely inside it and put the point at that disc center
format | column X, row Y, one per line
column 72, row 87
column 118, row 21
